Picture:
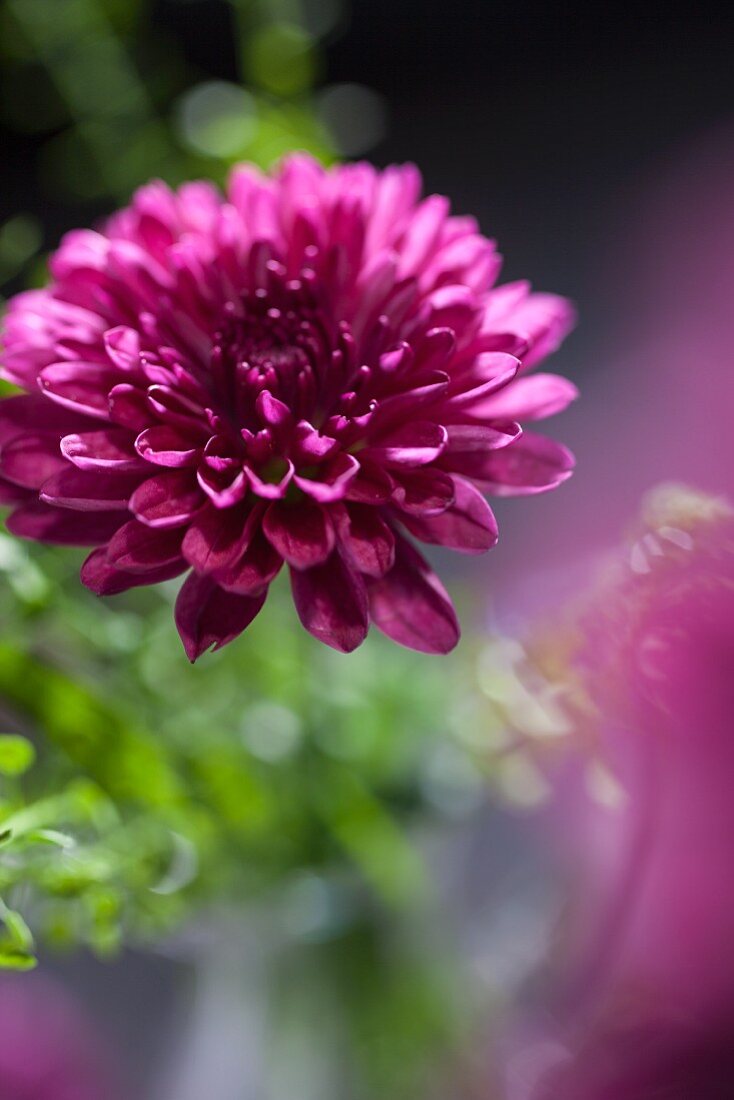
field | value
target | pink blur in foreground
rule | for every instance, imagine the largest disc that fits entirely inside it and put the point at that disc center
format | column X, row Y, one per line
column 47, row 1050
column 638, row 1001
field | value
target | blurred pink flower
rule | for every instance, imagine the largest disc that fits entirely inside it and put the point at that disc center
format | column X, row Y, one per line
column 639, row 1000
column 659, row 403
column 658, row 1059
column 47, row 1051
column 302, row 371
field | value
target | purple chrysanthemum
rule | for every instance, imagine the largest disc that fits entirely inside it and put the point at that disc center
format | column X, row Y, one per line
column 304, row 371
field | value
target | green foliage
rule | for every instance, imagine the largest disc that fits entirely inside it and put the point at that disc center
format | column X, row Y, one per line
column 16, row 942
column 99, row 79
column 280, row 59
column 16, row 754
column 274, row 776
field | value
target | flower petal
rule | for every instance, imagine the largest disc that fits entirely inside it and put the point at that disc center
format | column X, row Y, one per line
column 169, row 499
column 166, row 446
column 276, row 485
column 224, row 488
column 217, row 538
column 335, row 477
column 471, row 446
column 533, row 464
column 301, row 532
column 423, row 492
column 98, row 575
column 122, row 345
column 366, row 540
column 541, row 320
column 65, row 528
column 530, row 397
column 309, row 445
column 254, row 570
column 273, row 412
column 467, row 525
column 489, row 373
column 82, row 387
column 135, row 548
column 14, row 494
column 207, row 616
column 331, row 602
column 36, row 413
column 109, row 449
column 414, row 444
column 427, row 391
column 172, row 407
column 465, row 439
column 90, row 490
column 129, row 407
column 453, row 306
column 30, row 459
column 411, row 606
column 370, row 485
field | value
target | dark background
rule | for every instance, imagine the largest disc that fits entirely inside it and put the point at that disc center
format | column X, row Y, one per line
column 543, row 118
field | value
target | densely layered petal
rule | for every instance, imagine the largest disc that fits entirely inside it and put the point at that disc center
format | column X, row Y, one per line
column 307, row 370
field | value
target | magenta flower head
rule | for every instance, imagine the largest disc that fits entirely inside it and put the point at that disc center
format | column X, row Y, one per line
column 308, row 370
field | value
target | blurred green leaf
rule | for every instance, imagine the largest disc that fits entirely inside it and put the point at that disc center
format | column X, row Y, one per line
column 16, row 754
column 13, row 959
column 16, row 946
column 280, row 58
column 18, row 932
column 217, row 119
column 20, row 238
column 52, row 836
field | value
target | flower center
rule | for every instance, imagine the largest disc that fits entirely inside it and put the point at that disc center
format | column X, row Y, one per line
column 276, row 342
